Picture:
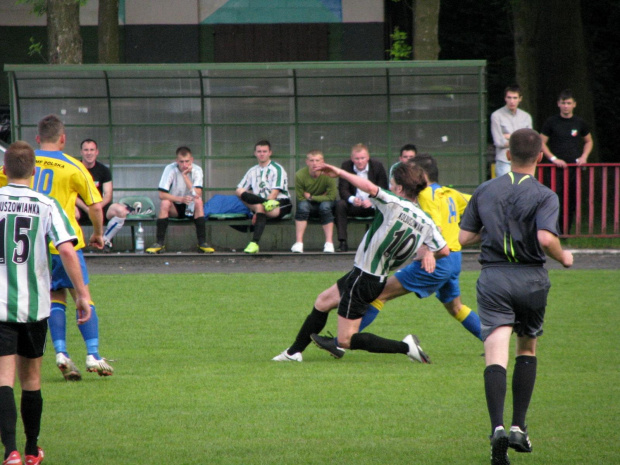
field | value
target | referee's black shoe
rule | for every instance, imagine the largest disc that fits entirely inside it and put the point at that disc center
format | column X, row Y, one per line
column 343, row 247
column 328, row 344
column 499, row 447
column 519, row 440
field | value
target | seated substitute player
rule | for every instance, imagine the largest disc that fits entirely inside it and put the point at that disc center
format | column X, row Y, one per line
column 316, row 194
column 28, row 220
column 398, row 230
column 180, row 192
column 407, row 152
column 264, row 190
column 445, row 206
column 516, row 220
column 115, row 213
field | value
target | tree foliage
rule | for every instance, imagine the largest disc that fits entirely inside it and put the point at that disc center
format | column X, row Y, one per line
column 400, row 49
column 425, row 15
column 64, row 41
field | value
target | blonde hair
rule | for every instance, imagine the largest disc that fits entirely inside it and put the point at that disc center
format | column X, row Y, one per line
column 359, row 147
column 314, row 153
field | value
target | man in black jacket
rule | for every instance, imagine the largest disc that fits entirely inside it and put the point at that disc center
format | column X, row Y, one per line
column 354, row 202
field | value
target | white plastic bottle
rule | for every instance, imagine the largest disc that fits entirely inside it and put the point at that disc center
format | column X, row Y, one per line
column 140, row 239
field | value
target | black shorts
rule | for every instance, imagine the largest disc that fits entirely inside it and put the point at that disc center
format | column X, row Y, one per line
column 512, row 295
column 286, row 207
column 24, row 339
column 181, row 208
column 85, row 219
column 357, row 290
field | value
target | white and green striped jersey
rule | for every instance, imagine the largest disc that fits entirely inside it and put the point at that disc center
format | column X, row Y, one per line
column 28, row 221
column 398, row 230
column 262, row 180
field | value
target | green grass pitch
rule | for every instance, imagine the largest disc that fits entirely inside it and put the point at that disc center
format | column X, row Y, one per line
column 194, row 383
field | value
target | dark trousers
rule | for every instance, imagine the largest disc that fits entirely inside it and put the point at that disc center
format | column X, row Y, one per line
column 344, row 210
column 566, row 210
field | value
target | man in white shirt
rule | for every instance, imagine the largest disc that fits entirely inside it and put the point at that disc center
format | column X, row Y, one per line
column 353, row 201
column 180, row 192
column 504, row 122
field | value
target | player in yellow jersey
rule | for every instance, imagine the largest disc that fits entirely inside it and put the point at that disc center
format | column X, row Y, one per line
column 63, row 177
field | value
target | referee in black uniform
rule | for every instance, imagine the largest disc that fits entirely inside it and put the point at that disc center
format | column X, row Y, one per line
column 516, row 220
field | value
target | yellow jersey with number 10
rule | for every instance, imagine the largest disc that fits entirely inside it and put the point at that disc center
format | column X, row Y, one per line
column 63, row 177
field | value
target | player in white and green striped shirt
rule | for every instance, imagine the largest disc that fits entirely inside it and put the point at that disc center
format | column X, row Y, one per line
column 28, row 220
column 398, row 230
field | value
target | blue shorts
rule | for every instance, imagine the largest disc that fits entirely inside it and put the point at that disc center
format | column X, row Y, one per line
column 60, row 278
column 444, row 281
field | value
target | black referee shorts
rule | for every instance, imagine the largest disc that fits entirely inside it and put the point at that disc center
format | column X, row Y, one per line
column 512, row 295
column 24, row 339
column 357, row 289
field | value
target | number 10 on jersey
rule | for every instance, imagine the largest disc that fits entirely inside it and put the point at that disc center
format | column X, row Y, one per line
column 42, row 181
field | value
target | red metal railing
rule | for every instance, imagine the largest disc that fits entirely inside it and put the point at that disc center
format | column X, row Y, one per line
column 596, row 190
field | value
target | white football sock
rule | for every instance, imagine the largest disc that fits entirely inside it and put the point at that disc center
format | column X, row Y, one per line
column 114, row 226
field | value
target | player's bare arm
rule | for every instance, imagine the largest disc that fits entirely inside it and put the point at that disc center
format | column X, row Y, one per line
column 81, row 205
column 426, row 258
column 361, row 183
column 107, row 194
column 468, row 237
column 587, row 148
column 274, row 194
column 186, row 199
column 186, row 177
column 551, row 158
column 444, row 252
column 553, row 249
column 95, row 213
column 72, row 267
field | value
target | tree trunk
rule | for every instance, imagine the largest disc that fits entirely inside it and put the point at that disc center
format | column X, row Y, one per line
column 63, row 32
column 425, row 27
column 108, row 31
column 527, row 22
column 550, row 51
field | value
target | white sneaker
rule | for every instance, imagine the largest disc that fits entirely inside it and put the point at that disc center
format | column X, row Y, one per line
column 416, row 354
column 67, row 367
column 285, row 357
column 328, row 247
column 298, row 247
column 101, row 366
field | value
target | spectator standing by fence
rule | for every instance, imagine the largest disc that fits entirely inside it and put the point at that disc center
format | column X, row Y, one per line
column 566, row 140
column 504, row 122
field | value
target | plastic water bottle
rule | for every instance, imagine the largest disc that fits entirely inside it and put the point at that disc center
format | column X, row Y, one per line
column 140, row 239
